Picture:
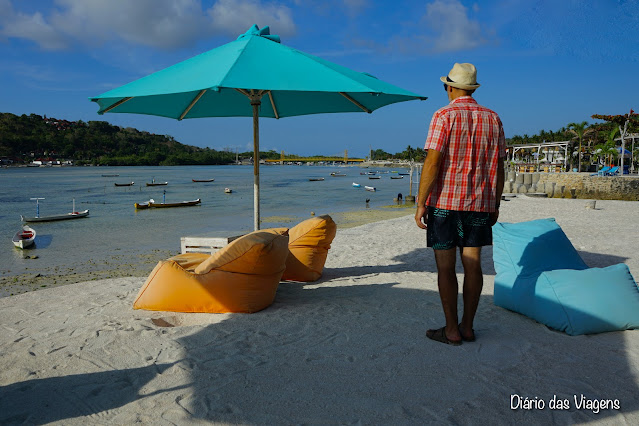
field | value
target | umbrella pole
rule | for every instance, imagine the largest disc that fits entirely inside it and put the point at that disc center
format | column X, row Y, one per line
column 255, row 102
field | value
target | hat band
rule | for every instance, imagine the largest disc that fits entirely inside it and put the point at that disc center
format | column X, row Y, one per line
column 452, row 81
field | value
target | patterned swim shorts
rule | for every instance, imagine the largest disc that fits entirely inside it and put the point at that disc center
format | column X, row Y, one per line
column 450, row 228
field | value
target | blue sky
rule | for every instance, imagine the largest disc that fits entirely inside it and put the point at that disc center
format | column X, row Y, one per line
column 542, row 64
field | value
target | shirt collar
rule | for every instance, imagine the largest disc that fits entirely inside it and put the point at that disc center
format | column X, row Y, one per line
column 467, row 99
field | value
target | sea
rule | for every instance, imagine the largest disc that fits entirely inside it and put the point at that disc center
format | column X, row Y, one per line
column 115, row 227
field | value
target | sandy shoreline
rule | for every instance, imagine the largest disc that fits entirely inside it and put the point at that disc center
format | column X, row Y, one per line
column 348, row 349
column 118, row 267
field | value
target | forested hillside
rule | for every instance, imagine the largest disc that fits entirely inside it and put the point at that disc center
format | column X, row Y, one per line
column 31, row 137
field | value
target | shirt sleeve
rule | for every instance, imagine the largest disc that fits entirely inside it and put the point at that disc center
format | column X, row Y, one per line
column 437, row 133
column 502, row 141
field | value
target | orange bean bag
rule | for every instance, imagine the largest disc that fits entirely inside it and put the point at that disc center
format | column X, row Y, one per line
column 241, row 277
column 308, row 244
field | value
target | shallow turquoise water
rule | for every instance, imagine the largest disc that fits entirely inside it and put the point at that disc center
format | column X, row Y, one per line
column 115, row 227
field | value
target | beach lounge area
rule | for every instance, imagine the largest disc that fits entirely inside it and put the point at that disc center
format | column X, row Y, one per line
column 349, row 348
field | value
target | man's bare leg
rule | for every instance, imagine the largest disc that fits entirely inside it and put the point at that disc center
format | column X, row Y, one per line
column 473, row 284
column 448, row 289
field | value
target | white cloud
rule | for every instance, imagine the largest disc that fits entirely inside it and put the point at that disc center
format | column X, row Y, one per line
column 445, row 26
column 166, row 24
column 453, row 29
column 31, row 27
column 237, row 16
column 158, row 23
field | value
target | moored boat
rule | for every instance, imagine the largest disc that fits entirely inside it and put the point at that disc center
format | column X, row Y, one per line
column 178, row 204
column 356, row 185
column 143, row 205
column 316, row 179
column 24, row 238
column 228, row 190
column 370, row 188
column 202, row 180
column 152, row 204
column 154, row 183
column 124, row 184
column 374, row 177
column 397, row 177
column 337, row 174
column 72, row 215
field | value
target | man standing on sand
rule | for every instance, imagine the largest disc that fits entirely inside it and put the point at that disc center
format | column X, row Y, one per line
column 459, row 193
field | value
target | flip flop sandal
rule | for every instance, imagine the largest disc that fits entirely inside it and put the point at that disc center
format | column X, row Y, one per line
column 466, row 339
column 439, row 335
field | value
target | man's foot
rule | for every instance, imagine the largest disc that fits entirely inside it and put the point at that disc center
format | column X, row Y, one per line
column 465, row 335
column 439, row 335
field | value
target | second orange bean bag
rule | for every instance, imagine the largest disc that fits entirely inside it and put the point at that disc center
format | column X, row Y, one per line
column 309, row 242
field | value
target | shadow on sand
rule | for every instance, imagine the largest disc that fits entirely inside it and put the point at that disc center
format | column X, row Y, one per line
column 356, row 354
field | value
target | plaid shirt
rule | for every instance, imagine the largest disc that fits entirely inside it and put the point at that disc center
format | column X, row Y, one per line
column 471, row 139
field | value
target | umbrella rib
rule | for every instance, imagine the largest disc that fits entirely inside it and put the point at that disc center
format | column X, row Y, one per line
column 362, row 107
column 192, row 104
column 270, row 96
column 117, row 104
column 244, row 92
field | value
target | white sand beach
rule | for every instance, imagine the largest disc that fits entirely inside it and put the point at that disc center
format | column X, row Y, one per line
column 348, row 349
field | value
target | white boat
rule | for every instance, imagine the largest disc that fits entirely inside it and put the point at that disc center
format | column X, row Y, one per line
column 72, row 215
column 357, row 185
column 337, row 174
column 228, row 190
column 24, row 238
column 370, row 188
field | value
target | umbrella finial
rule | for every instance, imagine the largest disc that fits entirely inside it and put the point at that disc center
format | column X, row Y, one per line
column 264, row 32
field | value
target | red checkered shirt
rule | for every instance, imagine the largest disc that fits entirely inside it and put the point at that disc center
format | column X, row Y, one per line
column 471, row 139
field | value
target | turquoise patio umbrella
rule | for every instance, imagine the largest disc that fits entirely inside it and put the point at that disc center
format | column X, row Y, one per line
column 253, row 76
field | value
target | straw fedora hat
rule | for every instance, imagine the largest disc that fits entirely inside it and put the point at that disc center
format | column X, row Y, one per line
column 462, row 76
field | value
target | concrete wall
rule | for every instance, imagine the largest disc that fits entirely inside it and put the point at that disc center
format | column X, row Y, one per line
column 574, row 185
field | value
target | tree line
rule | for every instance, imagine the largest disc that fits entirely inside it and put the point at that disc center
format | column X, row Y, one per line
column 26, row 138
column 588, row 142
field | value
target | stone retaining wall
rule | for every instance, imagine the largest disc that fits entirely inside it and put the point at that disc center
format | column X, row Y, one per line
column 574, row 185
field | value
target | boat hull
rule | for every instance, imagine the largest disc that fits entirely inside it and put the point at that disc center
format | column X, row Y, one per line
column 24, row 238
column 157, row 184
column 151, row 204
column 202, row 180
column 180, row 204
column 74, row 215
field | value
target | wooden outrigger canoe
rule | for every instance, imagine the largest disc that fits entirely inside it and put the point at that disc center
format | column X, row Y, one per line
column 152, row 204
column 66, row 216
column 73, row 215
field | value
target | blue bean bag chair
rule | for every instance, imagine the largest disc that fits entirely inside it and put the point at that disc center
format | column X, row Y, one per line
column 541, row 275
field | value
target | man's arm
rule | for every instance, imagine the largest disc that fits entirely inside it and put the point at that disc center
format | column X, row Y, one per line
column 501, row 179
column 430, row 171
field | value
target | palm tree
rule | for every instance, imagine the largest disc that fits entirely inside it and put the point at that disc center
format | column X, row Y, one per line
column 579, row 130
column 609, row 148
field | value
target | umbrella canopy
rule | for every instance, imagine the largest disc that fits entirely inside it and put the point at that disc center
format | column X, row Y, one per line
column 254, row 75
